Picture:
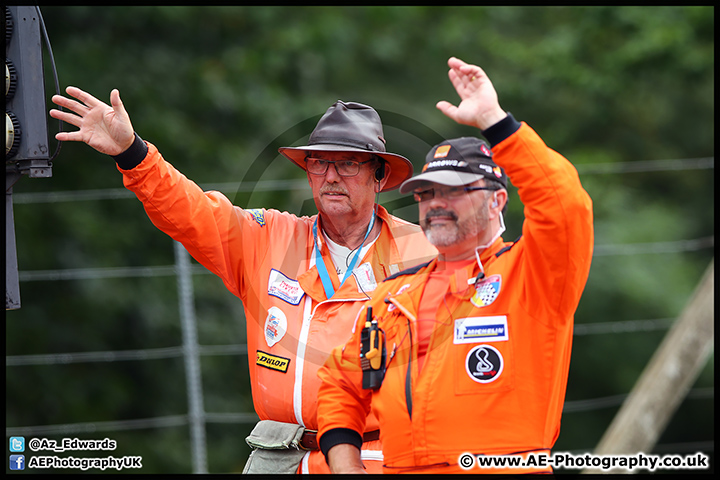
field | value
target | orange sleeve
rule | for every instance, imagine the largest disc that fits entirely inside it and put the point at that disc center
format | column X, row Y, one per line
column 215, row 232
column 558, row 227
column 343, row 403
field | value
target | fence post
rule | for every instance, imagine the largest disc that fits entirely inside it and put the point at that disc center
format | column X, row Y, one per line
column 192, row 359
column 666, row 379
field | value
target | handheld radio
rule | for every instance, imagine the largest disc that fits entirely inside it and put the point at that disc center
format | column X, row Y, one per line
column 372, row 353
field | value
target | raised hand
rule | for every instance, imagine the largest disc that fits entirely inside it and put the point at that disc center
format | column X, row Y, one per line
column 479, row 106
column 105, row 128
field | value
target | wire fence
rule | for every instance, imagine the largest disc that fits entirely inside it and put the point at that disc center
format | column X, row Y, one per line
column 191, row 351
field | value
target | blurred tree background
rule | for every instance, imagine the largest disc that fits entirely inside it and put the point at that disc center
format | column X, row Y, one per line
column 625, row 93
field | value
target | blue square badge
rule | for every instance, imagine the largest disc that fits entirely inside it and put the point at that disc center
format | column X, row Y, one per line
column 17, row 462
column 17, row 444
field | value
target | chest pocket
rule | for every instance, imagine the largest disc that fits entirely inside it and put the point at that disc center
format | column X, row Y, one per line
column 483, row 367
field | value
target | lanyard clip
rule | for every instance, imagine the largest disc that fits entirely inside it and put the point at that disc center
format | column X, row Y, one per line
column 474, row 281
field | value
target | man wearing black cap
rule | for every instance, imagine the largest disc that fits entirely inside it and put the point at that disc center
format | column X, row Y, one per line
column 302, row 280
column 465, row 359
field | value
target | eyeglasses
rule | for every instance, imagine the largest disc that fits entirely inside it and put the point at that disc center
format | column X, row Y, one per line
column 344, row 168
column 450, row 193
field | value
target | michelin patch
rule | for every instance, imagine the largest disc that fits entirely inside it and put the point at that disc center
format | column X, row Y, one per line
column 275, row 326
column 484, row 364
column 285, row 288
column 480, row 329
column 258, row 214
column 487, row 291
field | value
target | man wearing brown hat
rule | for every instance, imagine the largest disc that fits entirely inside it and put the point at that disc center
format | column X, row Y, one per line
column 302, row 280
column 465, row 359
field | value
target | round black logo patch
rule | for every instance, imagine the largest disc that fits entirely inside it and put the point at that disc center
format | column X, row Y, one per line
column 484, row 363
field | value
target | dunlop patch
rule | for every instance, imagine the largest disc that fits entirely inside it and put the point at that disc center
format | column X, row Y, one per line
column 273, row 362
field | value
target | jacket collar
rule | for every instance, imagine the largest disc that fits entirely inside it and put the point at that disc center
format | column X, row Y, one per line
column 384, row 246
column 460, row 285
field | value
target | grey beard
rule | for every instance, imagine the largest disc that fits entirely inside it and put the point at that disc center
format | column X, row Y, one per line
column 442, row 236
column 450, row 234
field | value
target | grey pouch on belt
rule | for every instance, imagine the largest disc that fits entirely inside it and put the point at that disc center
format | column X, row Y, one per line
column 275, row 448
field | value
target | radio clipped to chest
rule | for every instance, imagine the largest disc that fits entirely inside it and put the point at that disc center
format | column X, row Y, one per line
column 372, row 353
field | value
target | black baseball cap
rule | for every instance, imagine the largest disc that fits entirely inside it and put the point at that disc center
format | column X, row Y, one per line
column 456, row 162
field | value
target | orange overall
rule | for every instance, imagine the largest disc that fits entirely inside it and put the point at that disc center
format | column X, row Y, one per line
column 494, row 375
column 266, row 258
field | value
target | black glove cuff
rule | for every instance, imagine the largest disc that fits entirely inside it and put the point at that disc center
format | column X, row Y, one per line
column 501, row 130
column 337, row 436
column 132, row 157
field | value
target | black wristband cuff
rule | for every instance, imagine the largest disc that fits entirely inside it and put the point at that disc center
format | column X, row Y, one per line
column 132, row 157
column 336, row 436
column 501, row 130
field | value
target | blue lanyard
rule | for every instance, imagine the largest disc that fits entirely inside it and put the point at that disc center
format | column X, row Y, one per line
column 322, row 269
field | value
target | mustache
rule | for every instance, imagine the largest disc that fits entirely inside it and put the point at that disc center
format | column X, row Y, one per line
column 333, row 190
column 438, row 212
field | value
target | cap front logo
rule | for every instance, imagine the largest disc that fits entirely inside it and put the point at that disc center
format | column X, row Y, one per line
column 445, row 164
column 497, row 172
column 442, row 151
column 486, row 151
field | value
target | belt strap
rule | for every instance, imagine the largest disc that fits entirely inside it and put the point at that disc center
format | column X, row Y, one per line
column 308, row 441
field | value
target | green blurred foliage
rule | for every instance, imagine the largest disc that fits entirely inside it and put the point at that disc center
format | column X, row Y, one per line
column 218, row 89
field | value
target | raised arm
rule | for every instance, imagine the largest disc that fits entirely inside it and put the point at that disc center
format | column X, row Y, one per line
column 105, row 128
column 479, row 106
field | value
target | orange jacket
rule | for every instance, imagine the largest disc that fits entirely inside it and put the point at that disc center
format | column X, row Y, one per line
column 495, row 372
column 265, row 257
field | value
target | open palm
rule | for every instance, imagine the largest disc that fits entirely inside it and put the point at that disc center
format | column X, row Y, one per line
column 478, row 105
column 105, row 128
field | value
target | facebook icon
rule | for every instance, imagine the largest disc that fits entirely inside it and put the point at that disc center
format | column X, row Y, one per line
column 17, row 462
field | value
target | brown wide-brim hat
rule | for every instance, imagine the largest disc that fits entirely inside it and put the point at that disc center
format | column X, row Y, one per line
column 352, row 127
